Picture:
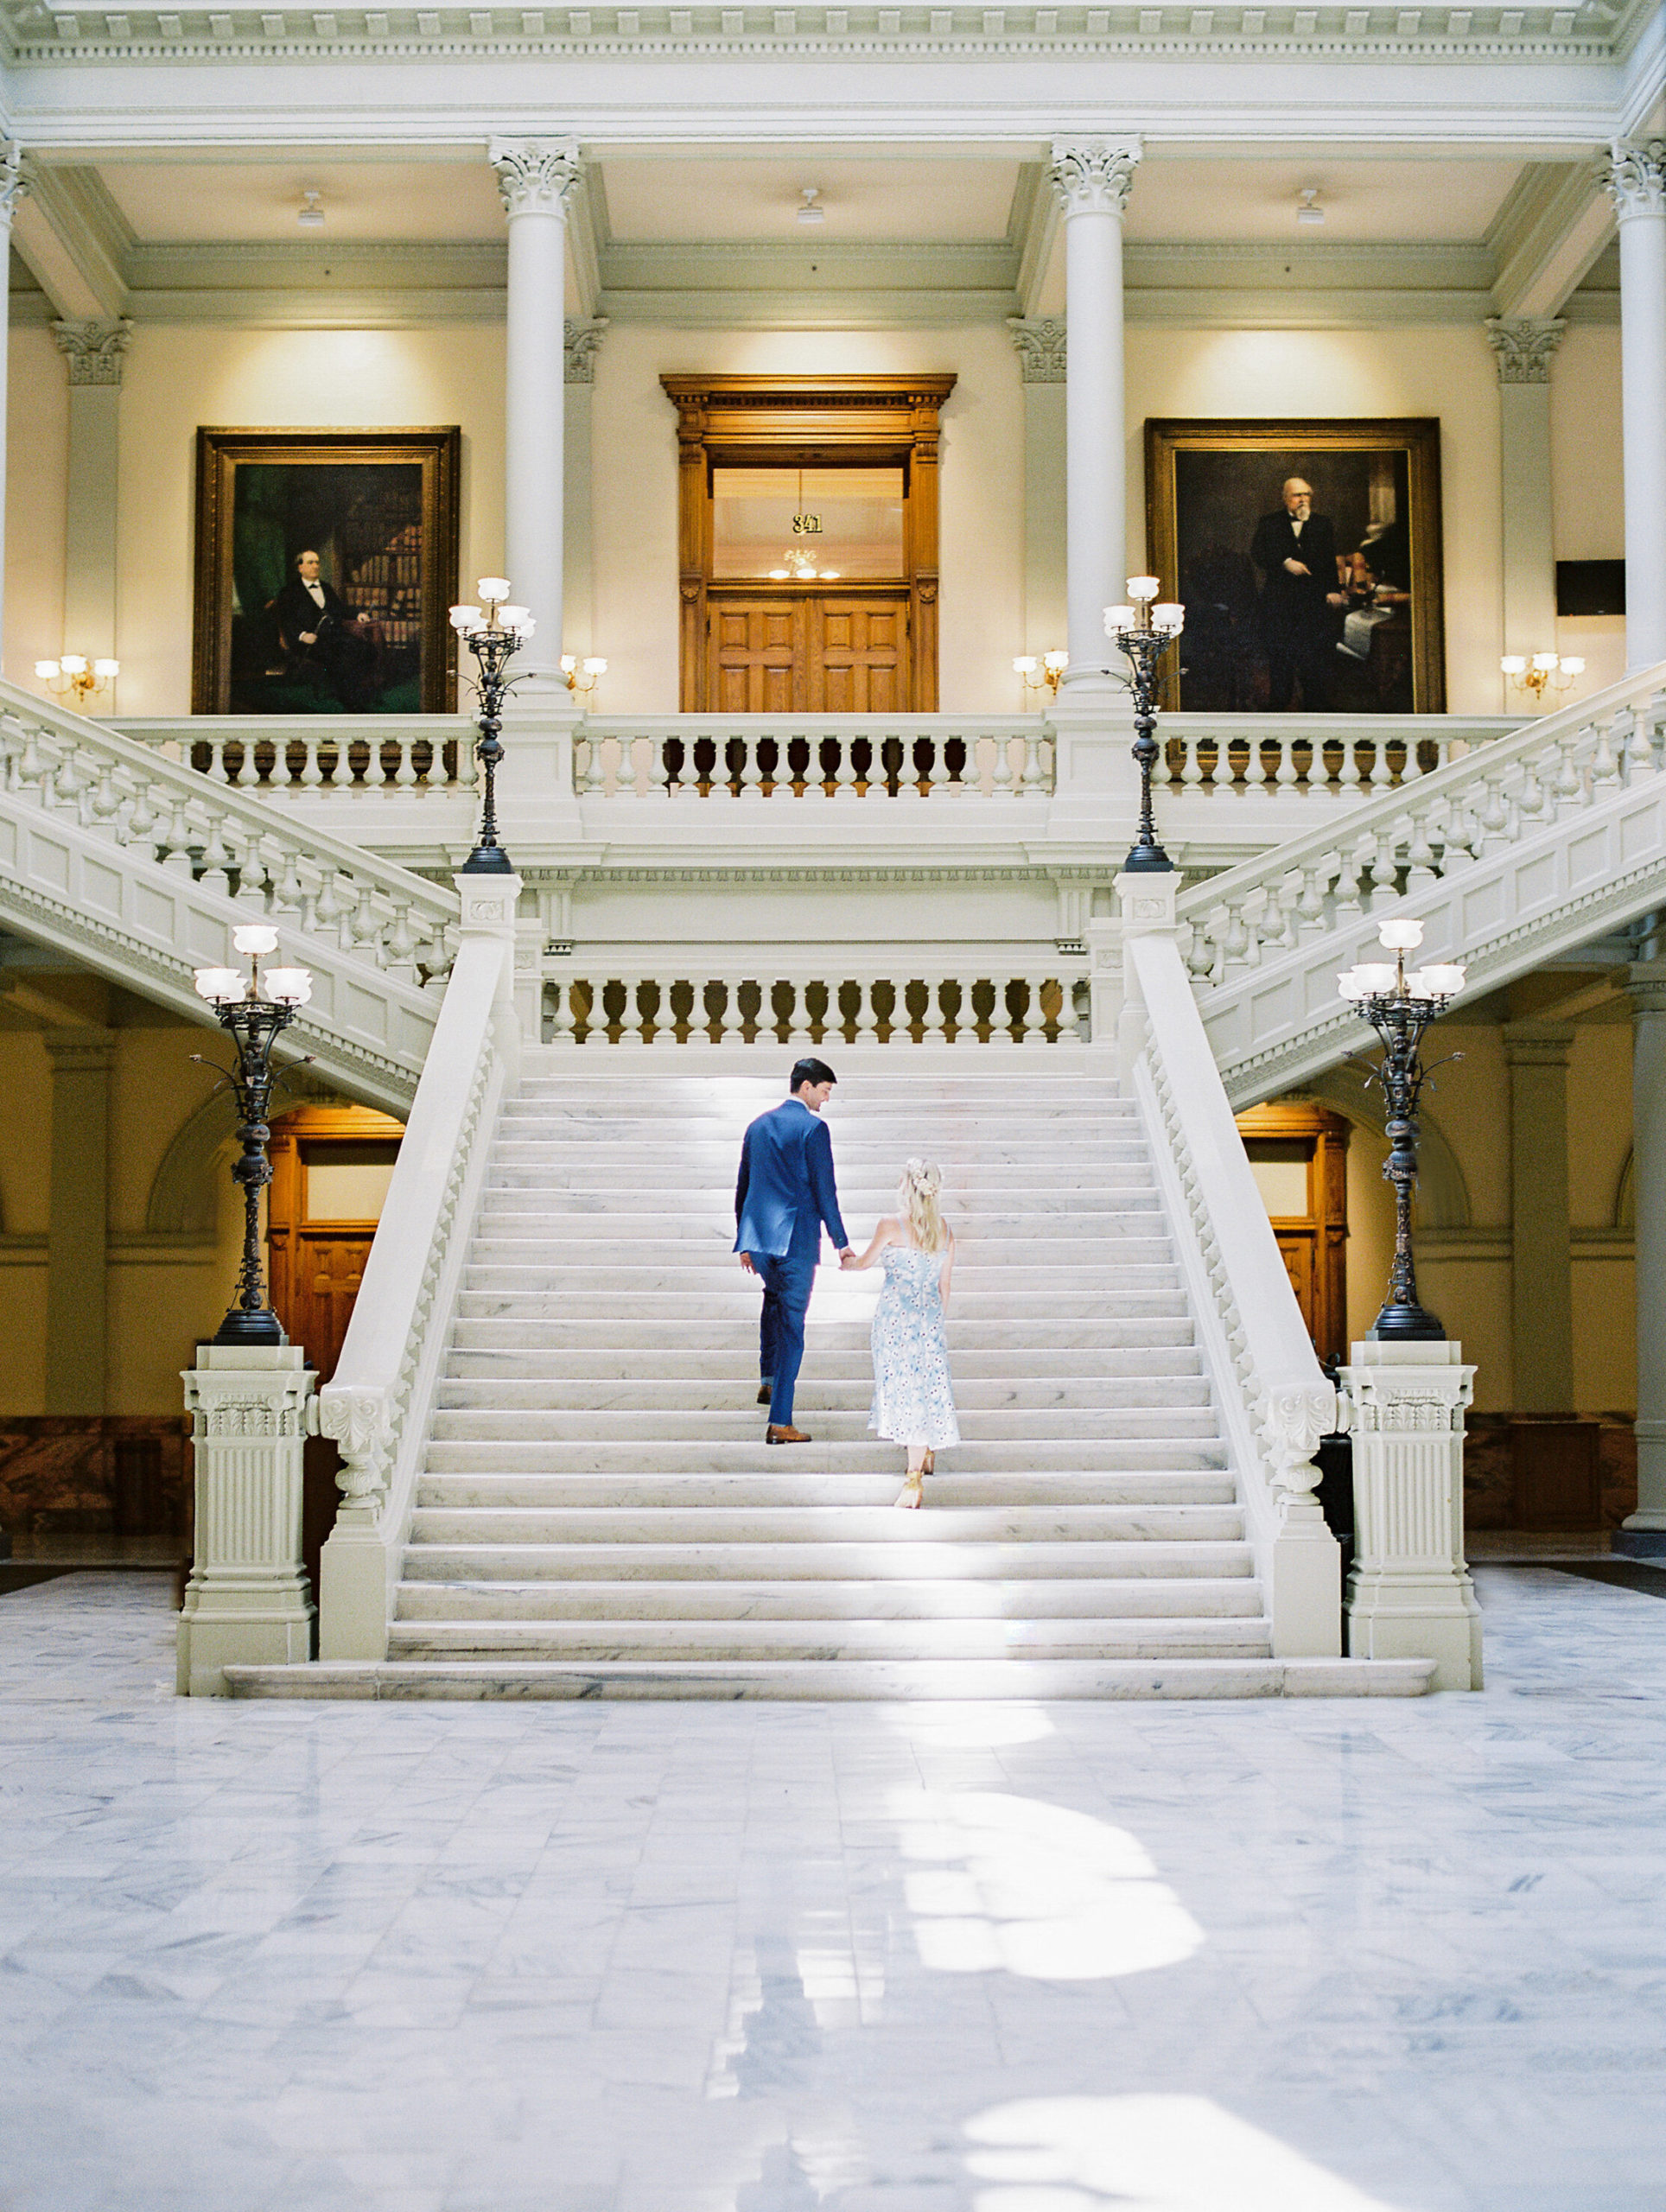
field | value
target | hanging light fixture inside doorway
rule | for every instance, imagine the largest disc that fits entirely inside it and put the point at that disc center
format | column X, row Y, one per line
column 797, row 566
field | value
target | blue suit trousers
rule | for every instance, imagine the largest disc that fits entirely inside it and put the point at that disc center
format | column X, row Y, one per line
column 787, row 1278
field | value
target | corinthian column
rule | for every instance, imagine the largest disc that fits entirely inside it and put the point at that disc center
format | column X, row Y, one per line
column 1524, row 346
column 537, row 178
column 12, row 188
column 94, row 354
column 1092, row 181
column 1635, row 178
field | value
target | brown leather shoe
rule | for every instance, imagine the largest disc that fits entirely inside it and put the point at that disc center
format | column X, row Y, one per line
column 785, row 1436
column 764, row 1393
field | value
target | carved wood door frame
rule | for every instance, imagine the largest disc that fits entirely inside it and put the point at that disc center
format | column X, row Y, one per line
column 807, row 422
column 1316, row 1239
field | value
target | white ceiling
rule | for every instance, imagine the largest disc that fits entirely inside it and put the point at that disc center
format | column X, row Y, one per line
column 873, row 202
column 908, row 202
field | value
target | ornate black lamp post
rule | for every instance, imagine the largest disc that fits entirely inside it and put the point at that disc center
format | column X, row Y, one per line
column 254, row 1019
column 1400, row 1007
column 494, row 633
column 1144, row 632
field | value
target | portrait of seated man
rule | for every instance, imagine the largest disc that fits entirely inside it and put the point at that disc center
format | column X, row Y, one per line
column 332, row 647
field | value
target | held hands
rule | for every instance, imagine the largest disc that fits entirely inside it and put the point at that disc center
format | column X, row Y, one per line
column 848, row 1259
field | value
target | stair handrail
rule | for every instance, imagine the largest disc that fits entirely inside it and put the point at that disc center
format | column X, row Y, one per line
column 1597, row 743
column 1275, row 1403
column 377, row 1404
column 133, row 794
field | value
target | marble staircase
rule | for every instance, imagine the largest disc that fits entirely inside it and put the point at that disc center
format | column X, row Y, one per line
column 598, row 1513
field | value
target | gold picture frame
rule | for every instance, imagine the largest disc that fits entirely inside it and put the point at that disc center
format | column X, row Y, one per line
column 379, row 508
column 1258, row 641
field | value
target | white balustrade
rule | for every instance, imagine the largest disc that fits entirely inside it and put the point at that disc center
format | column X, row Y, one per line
column 1520, row 852
column 377, row 1405
column 1234, row 758
column 1275, row 1403
column 342, row 754
column 687, row 757
column 669, row 999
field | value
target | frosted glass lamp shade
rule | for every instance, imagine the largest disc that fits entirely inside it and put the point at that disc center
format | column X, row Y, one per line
column 1514, row 665
column 466, row 618
column 259, row 938
column 107, row 668
column 220, row 986
column 1440, row 982
column 1374, row 979
column 1143, row 587
column 45, row 669
column 1168, row 615
column 72, row 663
column 289, row 986
column 1400, row 937
column 1118, row 618
column 494, row 589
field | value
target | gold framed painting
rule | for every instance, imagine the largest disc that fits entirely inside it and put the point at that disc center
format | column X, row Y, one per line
column 1307, row 557
column 326, row 562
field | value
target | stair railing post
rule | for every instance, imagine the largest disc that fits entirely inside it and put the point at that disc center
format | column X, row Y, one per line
column 1410, row 1595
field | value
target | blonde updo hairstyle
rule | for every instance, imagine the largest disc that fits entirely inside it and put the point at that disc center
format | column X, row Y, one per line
column 918, row 1189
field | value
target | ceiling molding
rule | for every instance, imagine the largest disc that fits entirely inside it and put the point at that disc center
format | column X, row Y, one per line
column 1032, row 230
column 76, row 240
column 81, row 34
column 1550, row 230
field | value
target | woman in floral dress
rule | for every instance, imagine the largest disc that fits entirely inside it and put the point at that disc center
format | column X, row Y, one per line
column 913, row 1398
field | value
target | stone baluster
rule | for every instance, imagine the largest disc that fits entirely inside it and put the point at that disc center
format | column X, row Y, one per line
column 1254, row 770
column 1285, row 776
column 934, row 1028
column 1003, row 768
column 1385, row 865
column 558, row 1010
column 845, row 767
column 248, row 768
column 1310, row 901
column 868, row 1020
column 405, row 773
column 752, row 774
column 1236, row 939
column 311, row 773
column 1570, row 778
column 1347, row 774
column 1420, row 852
column 1191, row 763
column 1204, row 959
column 1033, row 782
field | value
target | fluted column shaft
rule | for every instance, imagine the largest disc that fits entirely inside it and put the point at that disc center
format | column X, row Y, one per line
column 537, row 178
column 1636, row 182
column 1093, row 181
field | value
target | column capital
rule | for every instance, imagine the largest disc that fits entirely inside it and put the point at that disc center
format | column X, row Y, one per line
column 535, row 177
column 79, row 1050
column 583, row 343
column 1524, row 345
column 1537, row 1044
column 1094, row 176
column 14, row 185
column 1041, row 344
column 92, row 350
column 1634, row 177
column 1645, row 986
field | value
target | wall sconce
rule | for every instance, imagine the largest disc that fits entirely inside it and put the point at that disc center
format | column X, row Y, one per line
column 1042, row 675
column 72, row 675
column 1541, row 672
column 310, row 215
column 1308, row 207
column 581, row 677
column 811, row 211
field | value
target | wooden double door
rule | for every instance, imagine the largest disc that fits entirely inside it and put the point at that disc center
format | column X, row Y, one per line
column 797, row 651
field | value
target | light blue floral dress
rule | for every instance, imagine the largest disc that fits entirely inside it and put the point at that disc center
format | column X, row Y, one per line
column 913, row 1397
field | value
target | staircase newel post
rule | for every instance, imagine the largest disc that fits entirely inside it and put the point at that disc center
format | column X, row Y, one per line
column 1410, row 1595
column 1147, row 907
column 251, row 1407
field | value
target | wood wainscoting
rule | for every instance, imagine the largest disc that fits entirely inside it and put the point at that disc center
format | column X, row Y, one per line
column 752, row 645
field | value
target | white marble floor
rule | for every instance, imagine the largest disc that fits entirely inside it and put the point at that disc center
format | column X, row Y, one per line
column 1372, row 1956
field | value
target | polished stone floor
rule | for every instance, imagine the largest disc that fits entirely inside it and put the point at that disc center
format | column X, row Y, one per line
column 1305, row 1957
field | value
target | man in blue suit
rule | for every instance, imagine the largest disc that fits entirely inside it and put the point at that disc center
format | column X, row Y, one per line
column 786, row 1191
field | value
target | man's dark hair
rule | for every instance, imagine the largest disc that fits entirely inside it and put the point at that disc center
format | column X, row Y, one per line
column 806, row 1071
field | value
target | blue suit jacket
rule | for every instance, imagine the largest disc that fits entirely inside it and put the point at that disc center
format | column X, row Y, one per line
column 786, row 1175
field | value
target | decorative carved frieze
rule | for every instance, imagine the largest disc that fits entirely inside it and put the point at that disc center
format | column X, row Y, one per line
column 93, row 350
column 1094, row 176
column 13, row 184
column 1634, row 177
column 583, row 344
column 1041, row 347
column 535, row 177
column 1524, row 345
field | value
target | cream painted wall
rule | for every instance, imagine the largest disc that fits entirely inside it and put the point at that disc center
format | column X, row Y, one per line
column 635, row 511
column 1300, row 374
column 1587, row 483
column 37, row 465
column 178, row 379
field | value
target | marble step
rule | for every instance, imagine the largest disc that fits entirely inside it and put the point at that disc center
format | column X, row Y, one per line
column 503, row 1217
column 664, row 1376
column 1123, row 1598
column 786, row 1491
column 970, row 1126
column 859, row 1158
column 583, row 1200
column 870, row 1680
column 557, row 1325
column 829, row 1642
column 976, row 1564
column 625, row 1169
column 710, row 1526
column 650, row 1426
column 746, row 1452
column 731, row 1303
column 974, row 1250
column 646, row 1395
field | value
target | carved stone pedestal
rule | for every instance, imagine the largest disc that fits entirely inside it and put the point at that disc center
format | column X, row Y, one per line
column 246, row 1602
column 1410, row 1595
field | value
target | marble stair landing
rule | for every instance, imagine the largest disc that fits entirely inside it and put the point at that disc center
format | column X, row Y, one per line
column 598, row 1514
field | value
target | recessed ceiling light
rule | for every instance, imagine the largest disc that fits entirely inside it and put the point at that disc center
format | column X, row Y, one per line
column 811, row 211
column 1309, row 211
column 311, row 217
